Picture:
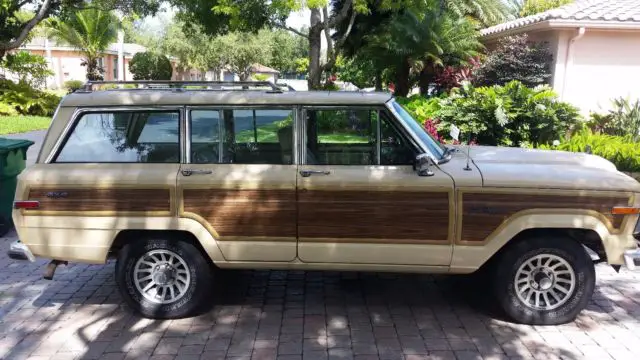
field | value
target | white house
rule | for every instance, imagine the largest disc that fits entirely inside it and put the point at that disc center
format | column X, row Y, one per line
column 65, row 62
column 596, row 48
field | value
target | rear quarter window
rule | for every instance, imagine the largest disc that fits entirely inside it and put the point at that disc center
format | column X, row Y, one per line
column 123, row 137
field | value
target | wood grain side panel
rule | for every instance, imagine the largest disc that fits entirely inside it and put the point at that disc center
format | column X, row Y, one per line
column 245, row 213
column 101, row 199
column 374, row 215
column 484, row 212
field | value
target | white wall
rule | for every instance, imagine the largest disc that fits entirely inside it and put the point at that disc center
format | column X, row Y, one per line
column 604, row 65
column 71, row 69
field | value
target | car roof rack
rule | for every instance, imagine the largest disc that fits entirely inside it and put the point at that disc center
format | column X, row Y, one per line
column 178, row 85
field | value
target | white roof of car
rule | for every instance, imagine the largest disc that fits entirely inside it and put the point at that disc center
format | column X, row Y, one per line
column 151, row 97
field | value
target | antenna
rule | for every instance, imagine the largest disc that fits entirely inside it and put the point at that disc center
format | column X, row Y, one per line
column 468, row 168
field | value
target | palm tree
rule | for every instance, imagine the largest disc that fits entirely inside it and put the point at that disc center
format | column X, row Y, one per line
column 456, row 41
column 413, row 38
column 90, row 31
column 415, row 44
column 487, row 12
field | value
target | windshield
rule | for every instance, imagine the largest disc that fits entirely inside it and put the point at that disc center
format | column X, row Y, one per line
column 435, row 147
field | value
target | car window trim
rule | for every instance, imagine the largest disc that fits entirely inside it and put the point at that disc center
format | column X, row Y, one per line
column 381, row 111
column 423, row 148
column 81, row 111
column 220, row 108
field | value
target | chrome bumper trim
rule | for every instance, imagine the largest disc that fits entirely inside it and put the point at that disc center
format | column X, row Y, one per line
column 19, row 251
column 632, row 258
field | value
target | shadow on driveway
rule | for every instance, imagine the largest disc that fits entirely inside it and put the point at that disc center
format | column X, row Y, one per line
column 295, row 315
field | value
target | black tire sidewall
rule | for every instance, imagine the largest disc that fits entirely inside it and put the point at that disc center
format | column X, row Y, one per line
column 198, row 270
column 577, row 258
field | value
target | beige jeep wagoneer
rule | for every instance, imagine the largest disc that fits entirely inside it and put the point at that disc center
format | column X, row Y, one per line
column 174, row 181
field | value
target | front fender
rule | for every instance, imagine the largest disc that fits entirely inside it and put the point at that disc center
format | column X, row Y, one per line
column 468, row 257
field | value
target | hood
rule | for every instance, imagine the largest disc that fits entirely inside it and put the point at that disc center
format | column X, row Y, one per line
column 507, row 155
column 531, row 168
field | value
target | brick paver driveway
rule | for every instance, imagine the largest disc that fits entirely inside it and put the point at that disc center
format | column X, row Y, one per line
column 302, row 315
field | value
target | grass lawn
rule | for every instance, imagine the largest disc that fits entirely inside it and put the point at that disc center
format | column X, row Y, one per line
column 20, row 124
column 269, row 133
column 266, row 133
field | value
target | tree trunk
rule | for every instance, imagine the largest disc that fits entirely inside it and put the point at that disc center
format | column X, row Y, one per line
column 378, row 80
column 426, row 77
column 93, row 71
column 315, row 42
column 402, row 78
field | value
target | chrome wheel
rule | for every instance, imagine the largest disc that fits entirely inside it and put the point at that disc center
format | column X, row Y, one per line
column 545, row 282
column 161, row 276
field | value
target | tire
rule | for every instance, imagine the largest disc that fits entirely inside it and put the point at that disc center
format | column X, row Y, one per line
column 183, row 287
column 569, row 274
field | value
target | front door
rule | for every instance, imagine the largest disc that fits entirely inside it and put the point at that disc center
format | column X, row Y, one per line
column 239, row 180
column 359, row 199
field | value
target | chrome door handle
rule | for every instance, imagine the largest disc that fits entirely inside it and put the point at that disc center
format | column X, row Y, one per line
column 189, row 172
column 307, row 173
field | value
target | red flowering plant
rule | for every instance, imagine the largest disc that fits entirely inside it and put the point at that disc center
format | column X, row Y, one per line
column 431, row 126
column 450, row 77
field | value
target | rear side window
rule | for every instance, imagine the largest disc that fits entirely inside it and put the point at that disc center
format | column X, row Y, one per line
column 242, row 136
column 124, row 137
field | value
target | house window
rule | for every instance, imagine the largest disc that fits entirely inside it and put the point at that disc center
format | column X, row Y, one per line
column 115, row 69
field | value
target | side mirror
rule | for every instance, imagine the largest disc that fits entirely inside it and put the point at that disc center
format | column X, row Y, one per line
column 423, row 163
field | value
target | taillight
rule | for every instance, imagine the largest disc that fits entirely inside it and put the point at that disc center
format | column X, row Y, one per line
column 26, row 204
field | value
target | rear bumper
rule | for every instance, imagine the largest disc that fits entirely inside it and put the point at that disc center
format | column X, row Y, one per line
column 19, row 251
column 632, row 259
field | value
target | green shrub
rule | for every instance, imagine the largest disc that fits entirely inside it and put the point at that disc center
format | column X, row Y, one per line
column 510, row 115
column 531, row 7
column 620, row 150
column 623, row 119
column 30, row 68
column 515, row 58
column 22, row 99
column 419, row 107
column 73, row 85
column 150, row 66
column 260, row 77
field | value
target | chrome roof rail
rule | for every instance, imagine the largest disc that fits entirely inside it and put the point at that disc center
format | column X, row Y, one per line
column 178, row 85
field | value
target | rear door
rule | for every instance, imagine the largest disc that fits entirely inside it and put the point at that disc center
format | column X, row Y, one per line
column 359, row 199
column 113, row 169
column 239, row 180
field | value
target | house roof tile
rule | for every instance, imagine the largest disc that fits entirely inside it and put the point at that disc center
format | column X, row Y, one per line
column 625, row 11
column 259, row 68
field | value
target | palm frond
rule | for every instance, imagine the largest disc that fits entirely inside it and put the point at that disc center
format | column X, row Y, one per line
column 90, row 31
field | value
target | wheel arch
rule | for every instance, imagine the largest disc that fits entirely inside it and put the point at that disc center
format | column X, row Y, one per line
column 588, row 238
column 188, row 230
column 586, row 229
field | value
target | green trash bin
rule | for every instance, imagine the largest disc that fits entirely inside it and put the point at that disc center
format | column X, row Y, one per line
column 13, row 156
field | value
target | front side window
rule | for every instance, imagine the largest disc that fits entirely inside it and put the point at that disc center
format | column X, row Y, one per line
column 124, row 137
column 242, row 136
column 354, row 137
